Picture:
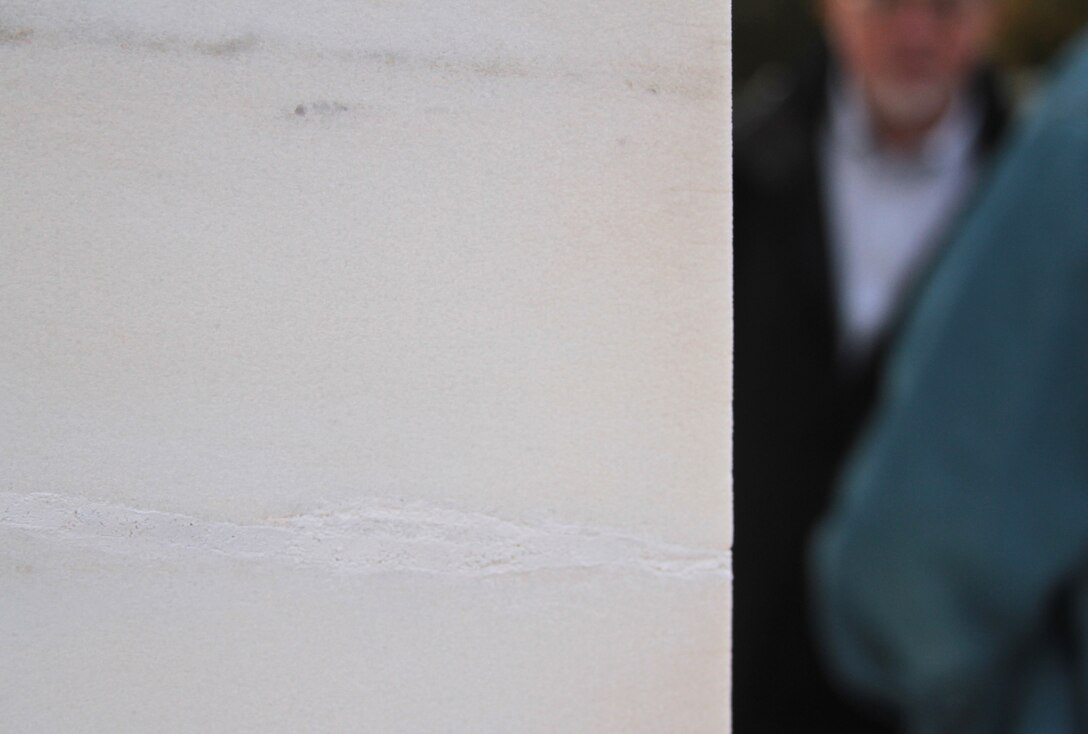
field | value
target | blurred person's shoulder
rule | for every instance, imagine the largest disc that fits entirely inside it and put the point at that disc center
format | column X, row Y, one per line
column 1053, row 155
column 1053, row 119
column 1066, row 102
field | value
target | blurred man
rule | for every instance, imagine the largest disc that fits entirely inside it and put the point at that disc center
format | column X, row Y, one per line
column 955, row 564
column 844, row 188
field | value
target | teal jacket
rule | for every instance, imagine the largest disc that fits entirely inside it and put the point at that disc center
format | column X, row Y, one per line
column 952, row 574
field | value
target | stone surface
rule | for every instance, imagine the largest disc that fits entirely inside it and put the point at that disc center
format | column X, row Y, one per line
column 365, row 366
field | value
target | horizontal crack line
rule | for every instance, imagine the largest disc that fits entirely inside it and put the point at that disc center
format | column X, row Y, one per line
column 372, row 535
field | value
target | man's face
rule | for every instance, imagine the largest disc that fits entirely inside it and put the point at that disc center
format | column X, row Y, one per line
column 910, row 56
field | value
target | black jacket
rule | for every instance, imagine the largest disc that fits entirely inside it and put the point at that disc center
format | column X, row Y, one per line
column 796, row 410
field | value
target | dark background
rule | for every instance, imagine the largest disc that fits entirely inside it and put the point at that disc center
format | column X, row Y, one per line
column 771, row 35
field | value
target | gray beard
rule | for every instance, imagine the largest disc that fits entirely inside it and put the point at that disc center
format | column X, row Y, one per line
column 910, row 105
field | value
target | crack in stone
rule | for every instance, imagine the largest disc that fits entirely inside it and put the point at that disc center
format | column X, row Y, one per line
column 372, row 535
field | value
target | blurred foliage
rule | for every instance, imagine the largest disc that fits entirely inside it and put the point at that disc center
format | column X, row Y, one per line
column 776, row 34
column 1033, row 30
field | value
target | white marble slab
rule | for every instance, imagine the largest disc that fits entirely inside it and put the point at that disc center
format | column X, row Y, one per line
column 364, row 367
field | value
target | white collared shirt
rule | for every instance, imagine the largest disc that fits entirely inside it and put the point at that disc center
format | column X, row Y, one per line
column 888, row 210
